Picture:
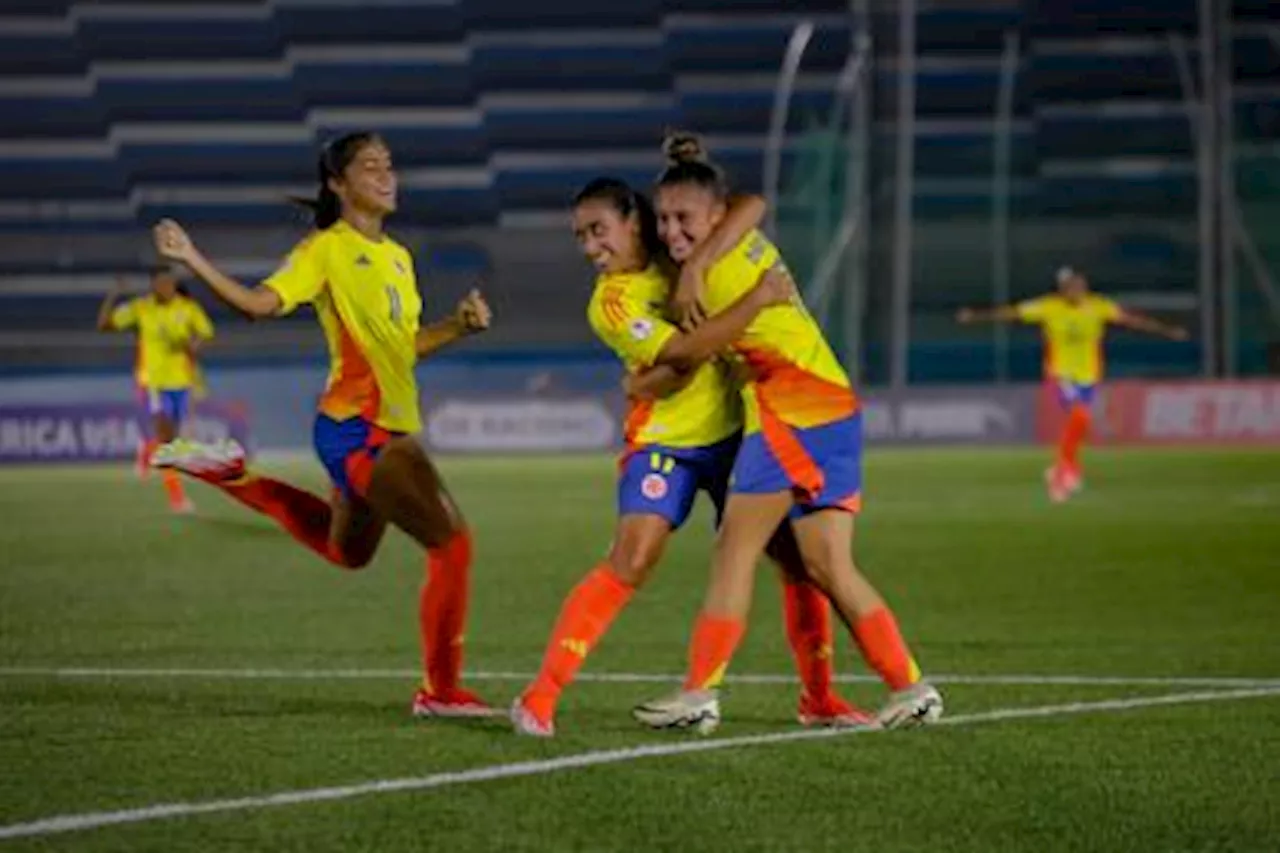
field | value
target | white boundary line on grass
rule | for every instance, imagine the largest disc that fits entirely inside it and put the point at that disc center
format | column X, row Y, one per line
column 166, row 811
column 271, row 673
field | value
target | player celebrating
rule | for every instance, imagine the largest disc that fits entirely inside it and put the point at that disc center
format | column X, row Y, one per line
column 800, row 459
column 1073, row 322
column 170, row 327
column 362, row 285
column 675, row 447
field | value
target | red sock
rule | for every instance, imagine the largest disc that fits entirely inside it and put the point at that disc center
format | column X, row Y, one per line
column 808, row 617
column 710, row 649
column 303, row 515
column 442, row 612
column 1073, row 435
column 884, row 650
column 173, row 488
column 584, row 617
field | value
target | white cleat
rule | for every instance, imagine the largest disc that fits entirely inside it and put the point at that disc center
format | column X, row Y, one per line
column 685, row 709
column 918, row 705
column 525, row 723
column 219, row 461
column 183, row 507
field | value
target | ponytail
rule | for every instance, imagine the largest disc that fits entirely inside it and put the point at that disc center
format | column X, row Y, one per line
column 335, row 156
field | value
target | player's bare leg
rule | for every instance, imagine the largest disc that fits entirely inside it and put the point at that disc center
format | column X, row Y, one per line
column 826, row 543
column 586, row 615
column 808, row 624
column 405, row 489
column 749, row 523
column 355, row 531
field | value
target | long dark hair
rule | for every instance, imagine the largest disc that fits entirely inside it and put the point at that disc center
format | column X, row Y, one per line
column 335, row 157
column 688, row 163
column 619, row 195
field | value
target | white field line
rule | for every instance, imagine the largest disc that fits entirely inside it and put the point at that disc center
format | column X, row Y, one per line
column 165, row 811
column 282, row 674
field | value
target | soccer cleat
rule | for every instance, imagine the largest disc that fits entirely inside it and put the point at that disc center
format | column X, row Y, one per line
column 525, row 722
column 223, row 460
column 1055, row 482
column 685, row 709
column 832, row 712
column 451, row 703
column 1072, row 480
column 183, row 507
column 918, row 705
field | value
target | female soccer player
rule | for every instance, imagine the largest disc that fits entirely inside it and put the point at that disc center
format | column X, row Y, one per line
column 675, row 447
column 800, row 460
column 362, row 285
column 1073, row 322
column 170, row 327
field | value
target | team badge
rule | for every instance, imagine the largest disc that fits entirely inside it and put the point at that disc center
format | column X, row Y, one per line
column 654, row 487
column 641, row 328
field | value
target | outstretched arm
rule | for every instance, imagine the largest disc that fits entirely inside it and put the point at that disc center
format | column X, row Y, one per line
column 471, row 317
column 744, row 215
column 998, row 314
column 172, row 242
column 1143, row 323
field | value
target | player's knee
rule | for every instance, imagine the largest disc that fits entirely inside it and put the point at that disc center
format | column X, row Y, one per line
column 633, row 561
column 350, row 558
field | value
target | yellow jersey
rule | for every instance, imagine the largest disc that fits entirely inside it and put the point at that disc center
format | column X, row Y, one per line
column 1073, row 334
column 366, row 296
column 166, row 331
column 793, row 376
column 626, row 313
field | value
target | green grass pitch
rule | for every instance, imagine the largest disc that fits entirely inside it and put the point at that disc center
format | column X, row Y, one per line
column 1166, row 567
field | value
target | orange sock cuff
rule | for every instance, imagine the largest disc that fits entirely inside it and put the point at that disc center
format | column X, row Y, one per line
column 885, row 651
column 714, row 641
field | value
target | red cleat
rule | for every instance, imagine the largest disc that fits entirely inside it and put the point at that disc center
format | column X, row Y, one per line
column 450, row 703
column 831, row 711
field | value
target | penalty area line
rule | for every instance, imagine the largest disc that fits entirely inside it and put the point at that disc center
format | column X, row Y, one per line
column 167, row 811
column 285, row 674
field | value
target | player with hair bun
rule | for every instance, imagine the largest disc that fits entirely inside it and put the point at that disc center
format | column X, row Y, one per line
column 800, row 459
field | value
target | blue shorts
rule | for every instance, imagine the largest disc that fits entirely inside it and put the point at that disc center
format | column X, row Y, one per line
column 348, row 449
column 663, row 481
column 1073, row 393
column 821, row 466
column 173, row 406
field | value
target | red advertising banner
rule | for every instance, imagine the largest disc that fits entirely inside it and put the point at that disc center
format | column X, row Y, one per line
column 1204, row 412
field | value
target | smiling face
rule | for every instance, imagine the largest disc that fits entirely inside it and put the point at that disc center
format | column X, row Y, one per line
column 610, row 240
column 687, row 214
column 368, row 181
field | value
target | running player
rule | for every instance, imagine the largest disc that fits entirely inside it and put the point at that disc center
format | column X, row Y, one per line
column 1073, row 322
column 171, row 327
column 362, row 285
column 675, row 447
column 800, row 460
